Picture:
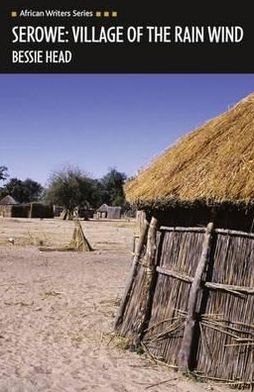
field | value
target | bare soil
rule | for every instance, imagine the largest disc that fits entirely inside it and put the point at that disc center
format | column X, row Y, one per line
column 58, row 309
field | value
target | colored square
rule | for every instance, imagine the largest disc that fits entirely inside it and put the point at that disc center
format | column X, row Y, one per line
column 114, row 14
column 106, row 14
column 14, row 14
column 98, row 14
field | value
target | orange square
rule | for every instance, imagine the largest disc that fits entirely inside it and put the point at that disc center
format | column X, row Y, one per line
column 98, row 14
column 106, row 14
column 14, row 14
column 114, row 14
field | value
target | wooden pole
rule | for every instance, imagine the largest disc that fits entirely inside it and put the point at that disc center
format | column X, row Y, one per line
column 132, row 276
column 185, row 351
column 149, row 264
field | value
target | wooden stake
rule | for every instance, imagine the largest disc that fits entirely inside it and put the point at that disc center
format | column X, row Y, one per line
column 185, row 351
column 149, row 264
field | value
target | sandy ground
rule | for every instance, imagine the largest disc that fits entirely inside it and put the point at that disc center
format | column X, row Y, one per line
column 58, row 309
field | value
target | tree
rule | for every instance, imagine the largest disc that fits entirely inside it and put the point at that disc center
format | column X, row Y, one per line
column 113, row 183
column 3, row 173
column 22, row 191
column 70, row 188
column 32, row 189
column 97, row 195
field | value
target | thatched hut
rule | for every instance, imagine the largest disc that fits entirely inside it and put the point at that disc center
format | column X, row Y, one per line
column 6, row 206
column 8, row 200
column 190, row 296
column 101, row 212
column 108, row 212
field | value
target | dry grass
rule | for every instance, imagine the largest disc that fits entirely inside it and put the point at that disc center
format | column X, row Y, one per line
column 212, row 164
column 56, row 233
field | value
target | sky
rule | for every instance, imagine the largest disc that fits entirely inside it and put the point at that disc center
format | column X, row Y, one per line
column 99, row 121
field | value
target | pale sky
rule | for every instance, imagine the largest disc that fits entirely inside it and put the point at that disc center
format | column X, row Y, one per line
column 48, row 121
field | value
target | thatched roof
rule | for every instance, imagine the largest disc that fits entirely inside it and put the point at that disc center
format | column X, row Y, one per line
column 8, row 200
column 213, row 164
column 103, row 208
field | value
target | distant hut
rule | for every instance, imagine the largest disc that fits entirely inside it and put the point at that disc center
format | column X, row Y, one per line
column 7, row 201
column 102, row 211
column 114, row 212
column 108, row 212
column 6, row 205
column 190, row 295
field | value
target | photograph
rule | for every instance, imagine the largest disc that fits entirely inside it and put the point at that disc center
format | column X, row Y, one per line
column 126, row 232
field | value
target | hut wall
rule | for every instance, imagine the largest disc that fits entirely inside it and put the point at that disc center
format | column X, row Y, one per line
column 114, row 213
column 133, row 313
column 177, row 251
column 227, row 329
column 6, row 211
column 227, row 217
column 222, row 345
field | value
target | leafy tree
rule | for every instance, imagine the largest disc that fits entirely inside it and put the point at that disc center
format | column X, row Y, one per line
column 97, row 194
column 3, row 173
column 112, row 185
column 33, row 189
column 70, row 188
column 22, row 191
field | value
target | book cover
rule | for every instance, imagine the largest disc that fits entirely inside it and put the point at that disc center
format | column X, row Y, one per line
column 126, row 196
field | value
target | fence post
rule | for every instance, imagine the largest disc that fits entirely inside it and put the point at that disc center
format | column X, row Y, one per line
column 149, row 264
column 184, row 358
